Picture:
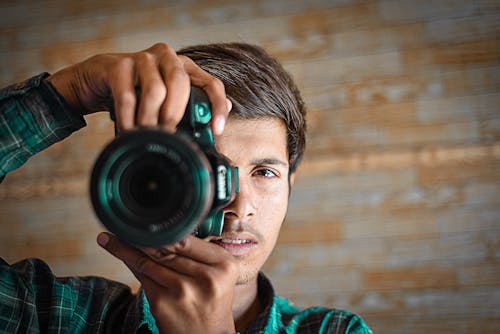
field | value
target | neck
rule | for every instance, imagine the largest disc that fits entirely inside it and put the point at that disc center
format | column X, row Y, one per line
column 246, row 305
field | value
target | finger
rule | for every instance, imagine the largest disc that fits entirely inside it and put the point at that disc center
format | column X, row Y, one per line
column 152, row 287
column 198, row 250
column 147, row 283
column 123, row 92
column 138, row 261
column 178, row 89
column 152, row 274
column 152, row 90
column 215, row 91
column 177, row 262
column 158, row 287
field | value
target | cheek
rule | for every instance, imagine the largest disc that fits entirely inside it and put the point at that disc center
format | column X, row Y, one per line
column 273, row 207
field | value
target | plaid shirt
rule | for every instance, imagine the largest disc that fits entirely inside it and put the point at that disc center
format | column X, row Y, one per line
column 32, row 117
column 281, row 316
column 33, row 300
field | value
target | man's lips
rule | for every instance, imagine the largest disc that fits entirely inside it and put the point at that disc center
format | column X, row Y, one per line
column 245, row 236
column 236, row 244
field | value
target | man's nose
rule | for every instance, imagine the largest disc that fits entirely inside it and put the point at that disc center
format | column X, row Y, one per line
column 243, row 205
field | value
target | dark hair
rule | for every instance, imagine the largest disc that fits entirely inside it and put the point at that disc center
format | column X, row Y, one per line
column 258, row 86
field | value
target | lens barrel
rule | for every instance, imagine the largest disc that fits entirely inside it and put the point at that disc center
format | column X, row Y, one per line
column 152, row 188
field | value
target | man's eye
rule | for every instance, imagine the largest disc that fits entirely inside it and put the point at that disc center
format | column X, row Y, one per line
column 265, row 172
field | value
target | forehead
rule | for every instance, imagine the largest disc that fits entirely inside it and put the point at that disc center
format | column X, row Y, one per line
column 263, row 137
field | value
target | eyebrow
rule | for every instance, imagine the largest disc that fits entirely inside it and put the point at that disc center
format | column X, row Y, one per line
column 268, row 161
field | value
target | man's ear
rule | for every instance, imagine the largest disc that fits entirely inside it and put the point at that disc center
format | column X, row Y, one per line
column 292, row 179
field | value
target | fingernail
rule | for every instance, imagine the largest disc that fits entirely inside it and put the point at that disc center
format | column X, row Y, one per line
column 102, row 239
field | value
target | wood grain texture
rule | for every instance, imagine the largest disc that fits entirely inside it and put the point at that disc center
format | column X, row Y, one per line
column 395, row 213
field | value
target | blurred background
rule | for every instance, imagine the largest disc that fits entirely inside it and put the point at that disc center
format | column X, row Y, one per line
column 396, row 210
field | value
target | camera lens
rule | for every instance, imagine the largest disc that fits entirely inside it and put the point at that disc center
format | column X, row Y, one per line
column 151, row 188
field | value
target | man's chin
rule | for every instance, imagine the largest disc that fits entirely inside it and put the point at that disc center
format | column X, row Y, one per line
column 247, row 275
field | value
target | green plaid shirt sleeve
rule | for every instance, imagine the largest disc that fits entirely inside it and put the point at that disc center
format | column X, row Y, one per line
column 33, row 116
column 33, row 300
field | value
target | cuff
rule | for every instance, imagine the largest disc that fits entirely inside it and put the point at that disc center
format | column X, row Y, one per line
column 147, row 317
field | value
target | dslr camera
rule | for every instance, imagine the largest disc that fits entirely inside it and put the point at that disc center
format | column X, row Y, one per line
column 152, row 188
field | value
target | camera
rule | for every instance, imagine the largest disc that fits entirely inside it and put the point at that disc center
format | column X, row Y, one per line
column 152, row 188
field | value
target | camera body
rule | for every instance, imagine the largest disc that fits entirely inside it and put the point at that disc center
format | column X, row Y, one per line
column 152, row 188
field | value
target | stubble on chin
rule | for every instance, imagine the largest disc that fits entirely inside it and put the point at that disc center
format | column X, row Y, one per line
column 247, row 274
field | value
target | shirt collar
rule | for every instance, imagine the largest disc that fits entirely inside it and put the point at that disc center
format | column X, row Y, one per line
column 266, row 296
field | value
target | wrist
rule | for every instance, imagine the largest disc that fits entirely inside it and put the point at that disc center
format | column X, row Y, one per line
column 61, row 83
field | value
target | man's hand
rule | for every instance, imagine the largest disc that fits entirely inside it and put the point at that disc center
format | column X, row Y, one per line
column 163, row 77
column 189, row 285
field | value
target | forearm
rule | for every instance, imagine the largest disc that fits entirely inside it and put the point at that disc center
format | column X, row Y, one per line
column 33, row 116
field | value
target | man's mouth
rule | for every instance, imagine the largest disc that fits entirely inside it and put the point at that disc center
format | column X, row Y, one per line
column 233, row 241
column 236, row 245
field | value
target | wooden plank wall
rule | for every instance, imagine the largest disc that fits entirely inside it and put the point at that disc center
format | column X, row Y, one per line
column 395, row 213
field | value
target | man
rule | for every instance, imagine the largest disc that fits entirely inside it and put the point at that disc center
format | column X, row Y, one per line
column 195, row 286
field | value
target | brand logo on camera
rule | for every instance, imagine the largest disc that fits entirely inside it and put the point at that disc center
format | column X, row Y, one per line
column 221, row 182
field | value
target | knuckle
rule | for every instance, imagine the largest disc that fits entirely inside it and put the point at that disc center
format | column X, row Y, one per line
column 209, row 278
column 144, row 57
column 180, row 289
column 215, row 285
column 141, row 264
column 155, row 91
column 183, row 59
column 206, row 275
column 125, row 98
column 122, row 63
column 162, row 48
column 177, row 72
column 216, row 83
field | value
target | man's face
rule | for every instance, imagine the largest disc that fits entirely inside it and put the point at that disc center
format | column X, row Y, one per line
column 253, row 220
